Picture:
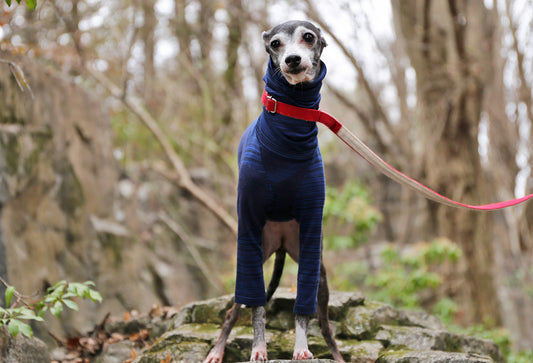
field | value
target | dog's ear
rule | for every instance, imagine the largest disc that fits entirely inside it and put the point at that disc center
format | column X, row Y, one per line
column 322, row 41
column 266, row 38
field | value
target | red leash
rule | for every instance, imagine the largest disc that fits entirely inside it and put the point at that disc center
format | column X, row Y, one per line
column 274, row 106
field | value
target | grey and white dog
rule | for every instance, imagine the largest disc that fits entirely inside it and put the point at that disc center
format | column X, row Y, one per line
column 295, row 48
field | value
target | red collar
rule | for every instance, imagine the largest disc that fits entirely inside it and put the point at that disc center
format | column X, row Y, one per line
column 308, row 114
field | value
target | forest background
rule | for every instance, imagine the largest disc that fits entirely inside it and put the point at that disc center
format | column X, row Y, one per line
column 442, row 90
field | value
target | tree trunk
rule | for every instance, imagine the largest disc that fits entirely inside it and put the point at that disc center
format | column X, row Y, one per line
column 447, row 48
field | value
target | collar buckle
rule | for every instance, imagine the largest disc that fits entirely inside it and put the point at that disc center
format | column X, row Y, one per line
column 271, row 104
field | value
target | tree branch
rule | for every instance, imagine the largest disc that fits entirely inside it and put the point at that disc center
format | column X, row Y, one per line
column 197, row 257
column 364, row 81
column 184, row 180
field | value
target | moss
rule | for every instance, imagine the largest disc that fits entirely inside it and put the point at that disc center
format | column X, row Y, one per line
column 212, row 311
column 396, row 353
column 453, row 343
column 11, row 148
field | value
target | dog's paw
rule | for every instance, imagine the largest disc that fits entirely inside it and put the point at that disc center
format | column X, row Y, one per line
column 214, row 356
column 301, row 354
column 259, row 355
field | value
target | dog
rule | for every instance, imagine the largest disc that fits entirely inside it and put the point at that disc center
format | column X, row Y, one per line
column 281, row 194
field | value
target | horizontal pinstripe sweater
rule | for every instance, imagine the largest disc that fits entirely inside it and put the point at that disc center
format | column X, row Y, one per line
column 281, row 177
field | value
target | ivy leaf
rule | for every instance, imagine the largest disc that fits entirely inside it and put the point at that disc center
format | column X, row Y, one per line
column 8, row 2
column 10, row 291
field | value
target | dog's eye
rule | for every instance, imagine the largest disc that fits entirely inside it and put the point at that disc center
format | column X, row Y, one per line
column 309, row 37
column 275, row 44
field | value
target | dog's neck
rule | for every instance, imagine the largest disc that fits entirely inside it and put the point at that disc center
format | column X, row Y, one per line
column 305, row 95
column 285, row 136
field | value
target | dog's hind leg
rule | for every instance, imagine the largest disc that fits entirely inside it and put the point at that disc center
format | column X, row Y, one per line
column 217, row 352
column 323, row 315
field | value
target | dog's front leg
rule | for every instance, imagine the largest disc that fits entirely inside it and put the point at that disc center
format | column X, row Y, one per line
column 259, row 348
column 301, row 351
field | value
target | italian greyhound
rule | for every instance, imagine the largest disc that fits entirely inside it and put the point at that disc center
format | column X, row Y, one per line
column 281, row 195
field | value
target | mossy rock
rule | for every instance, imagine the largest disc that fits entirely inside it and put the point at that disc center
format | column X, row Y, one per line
column 367, row 331
column 424, row 356
column 183, row 352
column 359, row 323
column 211, row 311
column 357, row 351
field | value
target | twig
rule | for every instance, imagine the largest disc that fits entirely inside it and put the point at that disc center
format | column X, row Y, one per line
column 313, row 12
column 16, row 293
column 17, row 72
column 184, row 179
column 176, row 228
column 59, row 341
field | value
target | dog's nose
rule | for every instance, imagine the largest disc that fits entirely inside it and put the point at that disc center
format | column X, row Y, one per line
column 293, row 60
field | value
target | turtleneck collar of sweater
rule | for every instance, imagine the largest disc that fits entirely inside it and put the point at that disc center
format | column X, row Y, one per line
column 302, row 94
column 284, row 136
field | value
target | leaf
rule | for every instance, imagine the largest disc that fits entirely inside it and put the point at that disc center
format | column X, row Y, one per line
column 26, row 330
column 32, row 4
column 95, row 296
column 57, row 309
column 16, row 326
column 13, row 327
column 10, row 291
column 28, row 314
column 71, row 305
column 8, row 2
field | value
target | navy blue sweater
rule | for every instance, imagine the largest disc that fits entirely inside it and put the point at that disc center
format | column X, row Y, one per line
column 281, row 177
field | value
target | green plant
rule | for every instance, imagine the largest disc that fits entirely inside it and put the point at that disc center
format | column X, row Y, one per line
column 350, row 214
column 31, row 4
column 405, row 275
column 62, row 294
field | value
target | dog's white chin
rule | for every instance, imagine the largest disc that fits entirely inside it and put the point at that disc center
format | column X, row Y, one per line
column 301, row 77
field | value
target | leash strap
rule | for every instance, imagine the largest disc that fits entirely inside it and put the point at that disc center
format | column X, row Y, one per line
column 273, row 106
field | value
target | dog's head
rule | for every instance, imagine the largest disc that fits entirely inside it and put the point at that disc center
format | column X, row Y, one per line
column 295, row 48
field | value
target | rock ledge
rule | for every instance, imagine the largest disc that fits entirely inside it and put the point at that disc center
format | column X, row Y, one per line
column 366, row 331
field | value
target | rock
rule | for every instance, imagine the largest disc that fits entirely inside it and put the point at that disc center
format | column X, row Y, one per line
column 366, row 331
column 21, row 349
column 116, row 353
column 426, row 339
column 69, row 211
column 424, row 356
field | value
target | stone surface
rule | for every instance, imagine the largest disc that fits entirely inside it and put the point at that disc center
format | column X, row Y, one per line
column 66, row 214
column 421, row 356
column 366, row 331
column 21, row 349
